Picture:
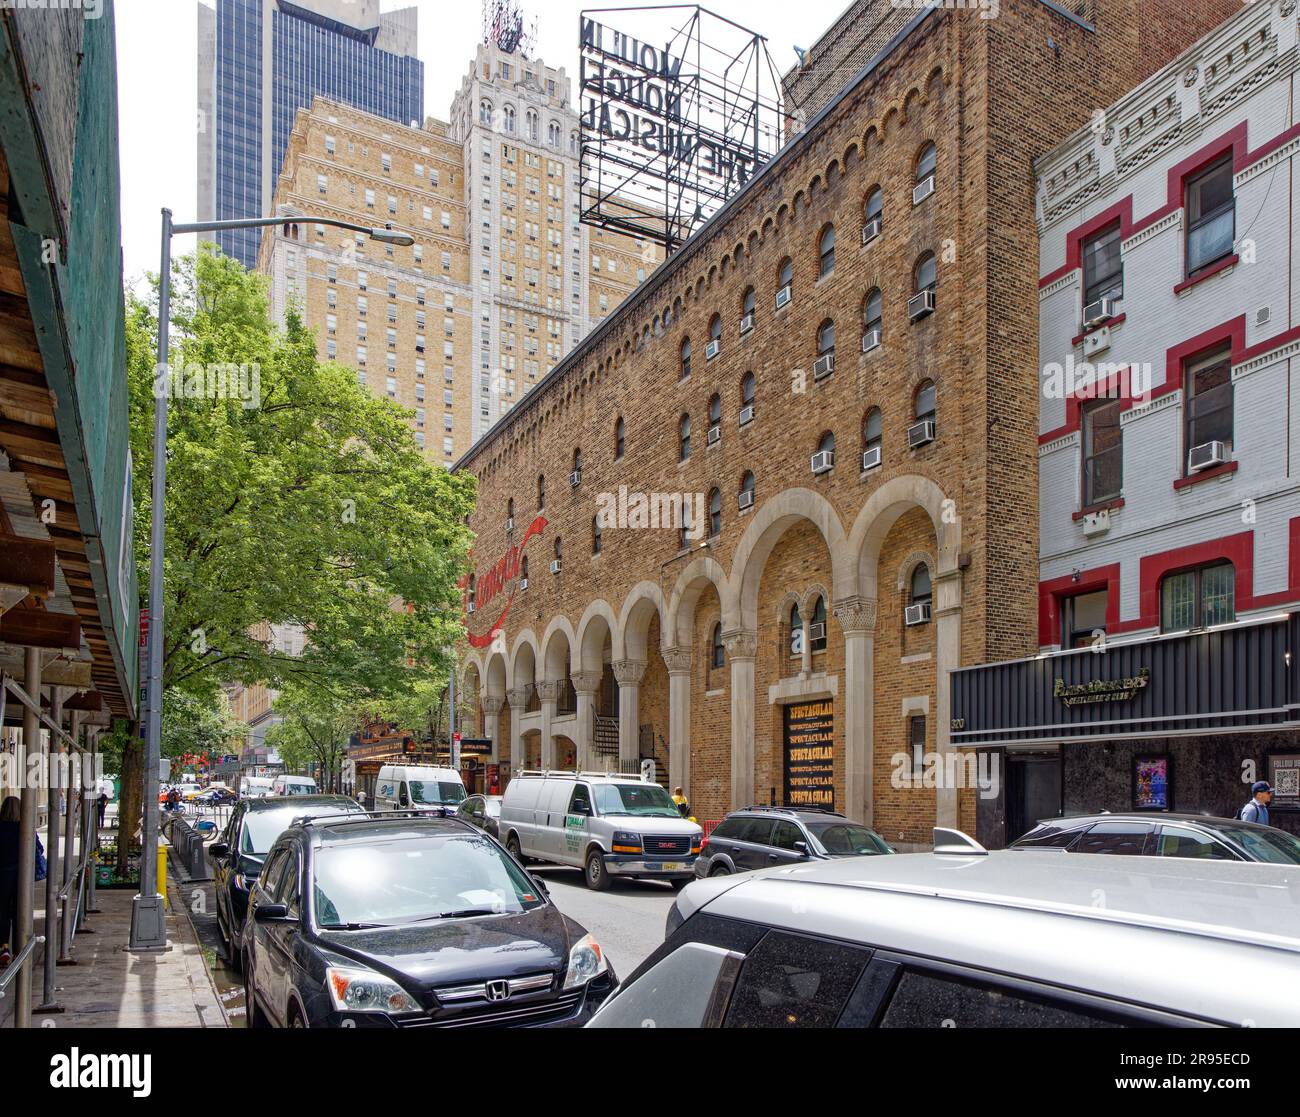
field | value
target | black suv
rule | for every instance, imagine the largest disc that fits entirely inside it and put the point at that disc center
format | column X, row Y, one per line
column 399, row 919
column 763, row 837
column 238, row 855
column 1164, row 835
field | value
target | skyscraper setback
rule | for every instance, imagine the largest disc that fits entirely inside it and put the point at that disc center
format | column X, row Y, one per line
column 260, row 61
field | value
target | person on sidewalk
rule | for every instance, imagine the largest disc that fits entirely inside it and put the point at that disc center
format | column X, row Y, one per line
column 102, row 804
column 683, row 806
column 1256, row 810
column 10, row 839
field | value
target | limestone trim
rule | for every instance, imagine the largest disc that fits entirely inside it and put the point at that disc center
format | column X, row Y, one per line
column 585, row 682
column 629, row 672
column 741, row 644
column 493, row 704
column 549, row 689
column 856, row 615
column 677, row 660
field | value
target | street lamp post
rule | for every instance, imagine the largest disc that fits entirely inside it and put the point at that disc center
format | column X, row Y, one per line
column 148, row 929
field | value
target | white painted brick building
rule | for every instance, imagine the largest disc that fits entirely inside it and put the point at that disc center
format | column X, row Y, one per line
column 1182, row 453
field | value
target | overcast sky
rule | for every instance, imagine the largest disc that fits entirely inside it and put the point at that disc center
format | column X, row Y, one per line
column 157, row 99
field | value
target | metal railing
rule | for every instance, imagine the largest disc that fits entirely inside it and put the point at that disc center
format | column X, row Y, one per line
column 21, row 959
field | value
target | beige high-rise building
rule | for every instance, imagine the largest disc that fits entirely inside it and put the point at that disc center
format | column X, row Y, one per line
column 503, row 279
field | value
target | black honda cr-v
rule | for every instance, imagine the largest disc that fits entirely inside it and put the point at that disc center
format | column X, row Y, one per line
column 398, row 921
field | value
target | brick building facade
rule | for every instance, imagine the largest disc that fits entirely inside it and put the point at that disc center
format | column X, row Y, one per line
column 858, row 447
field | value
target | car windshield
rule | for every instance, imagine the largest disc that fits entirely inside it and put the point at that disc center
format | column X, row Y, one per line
column 841, row 839
column 261, row 828
column 1265, row 845
column 436, row 793
column 299, row 789
column 641, row 800
column 413, row 880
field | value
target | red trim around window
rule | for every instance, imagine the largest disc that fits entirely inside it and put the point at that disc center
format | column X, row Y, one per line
column 1052, row 592
column 1205, row 475
column 1104, row 506
column 1205, row 273
column 1238, row 549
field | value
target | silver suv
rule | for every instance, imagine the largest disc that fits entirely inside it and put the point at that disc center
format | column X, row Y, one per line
column 966, row 938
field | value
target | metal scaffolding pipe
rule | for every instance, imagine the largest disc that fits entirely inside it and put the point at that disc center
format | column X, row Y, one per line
column 27, row 840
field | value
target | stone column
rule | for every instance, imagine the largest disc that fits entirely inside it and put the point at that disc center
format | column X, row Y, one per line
column 629, row 673
column 518, row 697
column 678, row 661
column 857, row 620
column 549, row 692
column 742, row 648
column 492, row 705
column 585, row 685
column 947, row 644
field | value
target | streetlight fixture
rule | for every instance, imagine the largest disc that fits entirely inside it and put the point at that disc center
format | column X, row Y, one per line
column 148, row 926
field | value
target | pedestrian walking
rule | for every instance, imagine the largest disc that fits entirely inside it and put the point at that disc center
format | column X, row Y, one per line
column 1256, row 809
column 103, row 807
column 683, row 804
column 10, row 839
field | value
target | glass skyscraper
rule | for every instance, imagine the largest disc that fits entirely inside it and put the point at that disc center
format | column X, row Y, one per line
column 260, row 61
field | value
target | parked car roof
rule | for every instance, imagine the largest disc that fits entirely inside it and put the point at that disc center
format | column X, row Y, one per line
column 1132, row 928
column 1149, row 816
column 300, row 802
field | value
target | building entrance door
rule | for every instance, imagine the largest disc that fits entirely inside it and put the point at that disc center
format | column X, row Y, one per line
column 1033, row 791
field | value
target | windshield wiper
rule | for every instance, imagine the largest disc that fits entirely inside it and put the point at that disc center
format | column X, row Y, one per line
column 352, row 926
column 463, row 913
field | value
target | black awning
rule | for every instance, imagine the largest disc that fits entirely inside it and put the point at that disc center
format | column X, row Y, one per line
column 1225, row 679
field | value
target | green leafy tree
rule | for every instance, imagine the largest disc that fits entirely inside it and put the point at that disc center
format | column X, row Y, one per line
column 293, row 497
column 315, row 730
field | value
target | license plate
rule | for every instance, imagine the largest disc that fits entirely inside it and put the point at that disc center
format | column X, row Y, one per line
column 671, row 866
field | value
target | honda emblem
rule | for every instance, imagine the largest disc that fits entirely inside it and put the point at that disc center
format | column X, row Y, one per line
column 498, row 990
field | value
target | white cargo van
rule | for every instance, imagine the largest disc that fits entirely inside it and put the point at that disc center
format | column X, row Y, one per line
column 254, row 787
column 294, row 785
column 604, row 823
column 413, row 787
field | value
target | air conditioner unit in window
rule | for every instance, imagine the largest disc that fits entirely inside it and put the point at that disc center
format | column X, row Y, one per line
column 870, row 458
column 575, row 478
column 746, row 323
column 870, row 341
column 555, row 566
column 871, row 230
column 817, row 631
column 747, row 414
column 1095, row 313
column 1206, row 455
column 745, row 499
column 823, row 461
column 922, row 190
column 824, row 366
column 917, row 614
column 918, row 434
column 921, row 304
column 510, row 523
column 783, row 296
column 712, row 349
column 715, row 435
column 523, row 583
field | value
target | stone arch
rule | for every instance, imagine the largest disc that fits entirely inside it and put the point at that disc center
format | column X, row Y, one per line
column 774, row 517
column 643, row 601
column 881, row 511
column 524, row 657
column 598, row 623
column 557, row 647
column 691, row 583
column 809, row 600
column 909, row 565
column 495, row 674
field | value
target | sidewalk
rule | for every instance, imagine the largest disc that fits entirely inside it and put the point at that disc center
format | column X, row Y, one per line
column 109, row 987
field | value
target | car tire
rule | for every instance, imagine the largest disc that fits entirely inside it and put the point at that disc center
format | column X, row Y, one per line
column 595, row 873
column 512, row 848
column 719, row 871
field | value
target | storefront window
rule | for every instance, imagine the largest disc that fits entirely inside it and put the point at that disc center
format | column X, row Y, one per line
column 1198, row 598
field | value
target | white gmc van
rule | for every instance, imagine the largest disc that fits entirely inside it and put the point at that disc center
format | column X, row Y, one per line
column 412, row 787
column 603, row 823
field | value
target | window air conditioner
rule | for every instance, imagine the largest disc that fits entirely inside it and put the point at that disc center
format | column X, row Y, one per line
column 918, row 434
column 1206, row 455
column 823, row 461
column 917, row 614
column 921, row 304
column 870, row 458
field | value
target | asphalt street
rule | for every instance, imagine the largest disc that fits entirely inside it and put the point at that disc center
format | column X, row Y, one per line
column 627, row 919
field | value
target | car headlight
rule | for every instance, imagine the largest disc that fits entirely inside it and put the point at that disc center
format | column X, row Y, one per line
column 358, row 990
column 625, row 842
column 586, row 961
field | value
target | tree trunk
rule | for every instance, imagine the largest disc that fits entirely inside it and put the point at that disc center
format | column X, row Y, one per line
column 131, row 805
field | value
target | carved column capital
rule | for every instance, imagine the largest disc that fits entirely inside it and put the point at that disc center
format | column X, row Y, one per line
column 740, row 644
column 678, row 660
column 856, row 615
column 628, row 672
column 585, row 682
column 519, row 695
column 549, row 689
column 492, row 704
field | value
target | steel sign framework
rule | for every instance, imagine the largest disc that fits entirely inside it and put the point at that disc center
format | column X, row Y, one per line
column 679, row 108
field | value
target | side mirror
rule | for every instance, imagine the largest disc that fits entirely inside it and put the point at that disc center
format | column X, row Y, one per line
column 271, row 913
column 541, row 886
column 801, row 848
column 219, row 850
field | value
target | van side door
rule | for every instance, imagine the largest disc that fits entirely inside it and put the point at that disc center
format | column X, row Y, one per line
column 577, row 825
